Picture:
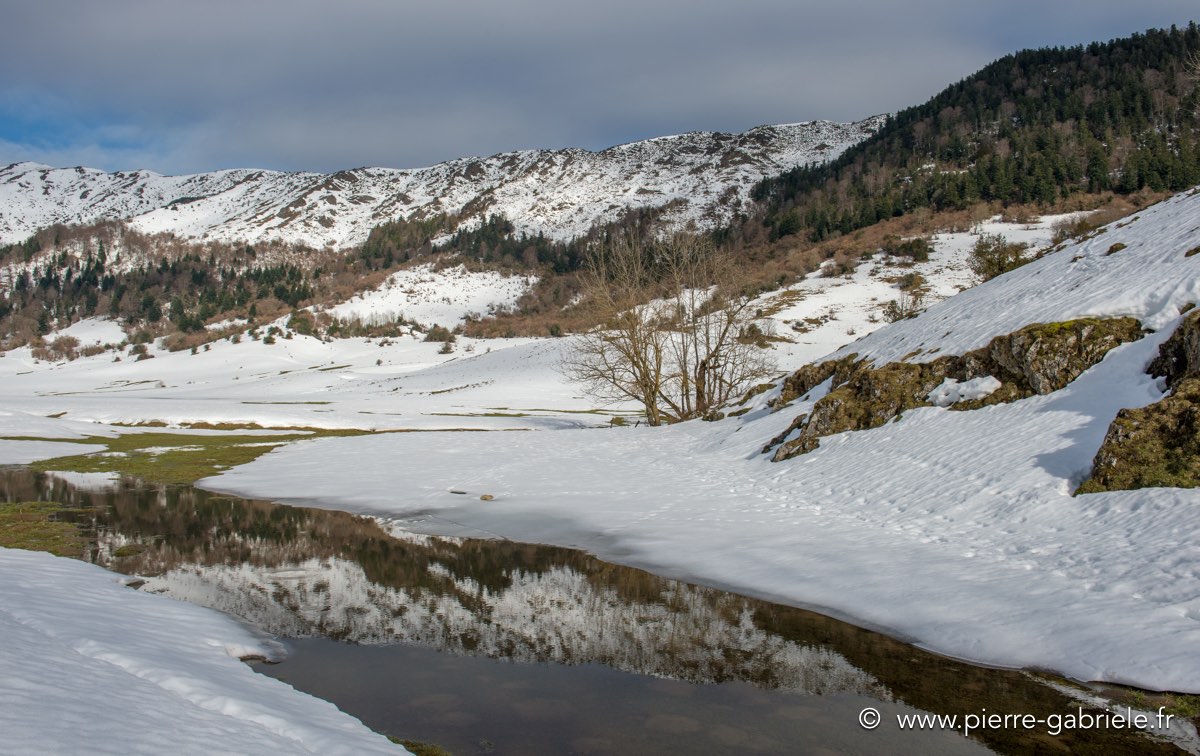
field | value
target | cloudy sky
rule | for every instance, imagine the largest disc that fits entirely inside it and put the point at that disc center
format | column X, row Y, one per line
column 191, row 86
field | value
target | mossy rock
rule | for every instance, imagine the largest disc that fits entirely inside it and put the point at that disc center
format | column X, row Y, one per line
column 810, row 376
column 1045, row 357
column 869, row 399
column 1153, row 446
column 1037, row 359
column 1179, row 356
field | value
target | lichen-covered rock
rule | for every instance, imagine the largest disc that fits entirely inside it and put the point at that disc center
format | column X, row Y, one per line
column 1157, row 445
column 1045, row 357
column 1179, row 356
column 1037, row 359
column 868, row 399
column 810, row 376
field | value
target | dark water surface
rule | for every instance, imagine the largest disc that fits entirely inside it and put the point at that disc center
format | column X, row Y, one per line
column 500, row 647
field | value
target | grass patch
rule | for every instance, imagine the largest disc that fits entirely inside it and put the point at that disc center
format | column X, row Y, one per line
column 42, row 526
column 1181, row 705
column 420, row 749
column 333, row 367
column 89, row 440
column 781, row 302
column 177, row 457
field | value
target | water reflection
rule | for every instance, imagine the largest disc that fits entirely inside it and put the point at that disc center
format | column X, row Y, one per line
column 301, row 573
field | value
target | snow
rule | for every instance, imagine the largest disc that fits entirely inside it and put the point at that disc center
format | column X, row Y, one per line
column 822, row 313
column 445, row 297
column 92, row 666
column 952, row 391
column 14, row 452
column 93, row 332
column 560, row 193
column 954, row 529
column 387, row 384
column 1149, row 279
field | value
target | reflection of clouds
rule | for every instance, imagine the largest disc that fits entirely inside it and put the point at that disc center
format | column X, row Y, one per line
column 558, row 615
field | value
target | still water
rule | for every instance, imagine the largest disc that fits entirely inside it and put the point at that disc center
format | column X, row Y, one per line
column 490, row 646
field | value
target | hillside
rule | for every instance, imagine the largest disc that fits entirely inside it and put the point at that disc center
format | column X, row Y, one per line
column 955, row 528
column 932, row 524
column 1037, row 126
column 704, row 178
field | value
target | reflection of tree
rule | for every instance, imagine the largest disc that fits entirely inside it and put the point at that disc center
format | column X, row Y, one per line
column 298, row 572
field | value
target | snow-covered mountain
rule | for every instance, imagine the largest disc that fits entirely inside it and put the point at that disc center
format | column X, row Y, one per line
column 705, row 177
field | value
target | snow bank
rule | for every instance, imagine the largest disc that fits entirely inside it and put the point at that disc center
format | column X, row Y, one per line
column 24, row 452
column 955, row 529
column 1137, row 267
column 92, row 666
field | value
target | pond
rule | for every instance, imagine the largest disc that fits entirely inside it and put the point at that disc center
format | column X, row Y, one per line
column 491, row 646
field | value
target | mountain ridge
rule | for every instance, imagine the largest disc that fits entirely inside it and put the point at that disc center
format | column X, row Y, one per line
column 704, row 179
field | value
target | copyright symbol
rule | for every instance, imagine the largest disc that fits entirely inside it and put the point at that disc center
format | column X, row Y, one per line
column 868, row 718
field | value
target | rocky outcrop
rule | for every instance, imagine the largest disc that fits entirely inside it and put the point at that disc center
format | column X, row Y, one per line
column 1157, row 445
column 1179, row 356
column 810, row 376
column 1152, row 446
column 1037, row 359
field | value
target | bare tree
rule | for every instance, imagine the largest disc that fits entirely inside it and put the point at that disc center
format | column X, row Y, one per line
column 1191, row 66
column 677, row 332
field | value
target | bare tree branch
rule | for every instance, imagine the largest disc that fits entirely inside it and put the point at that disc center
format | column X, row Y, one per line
column 674, row 324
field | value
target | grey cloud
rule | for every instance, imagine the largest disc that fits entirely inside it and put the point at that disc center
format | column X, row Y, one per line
column 300, row 84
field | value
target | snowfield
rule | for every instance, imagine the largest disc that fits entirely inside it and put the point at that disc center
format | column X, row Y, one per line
column 406, row 383
column 120, row 671
column 422, row 295
column 954, row 529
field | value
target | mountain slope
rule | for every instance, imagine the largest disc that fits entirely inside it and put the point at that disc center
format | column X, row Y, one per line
column 706, row 177
column 1033, row 127
column 956, row 528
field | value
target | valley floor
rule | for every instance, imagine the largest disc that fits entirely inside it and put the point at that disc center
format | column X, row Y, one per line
column 956, row 530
